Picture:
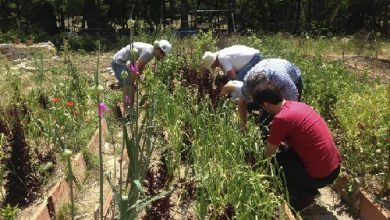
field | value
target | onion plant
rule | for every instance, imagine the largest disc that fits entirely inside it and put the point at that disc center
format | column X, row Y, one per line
column 222, row 178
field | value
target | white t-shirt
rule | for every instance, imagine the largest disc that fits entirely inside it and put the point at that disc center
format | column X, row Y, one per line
column 236, row 85
column 145, row 52
column 235, row 57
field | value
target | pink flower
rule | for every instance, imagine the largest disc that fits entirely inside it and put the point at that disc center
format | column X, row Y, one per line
column 102, row 109
column 127, row 99
column 133, row 68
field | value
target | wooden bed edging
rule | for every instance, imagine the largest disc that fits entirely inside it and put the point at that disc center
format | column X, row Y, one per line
column 359, row 200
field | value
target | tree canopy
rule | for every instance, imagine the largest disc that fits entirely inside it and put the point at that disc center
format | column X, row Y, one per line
column 319, row 17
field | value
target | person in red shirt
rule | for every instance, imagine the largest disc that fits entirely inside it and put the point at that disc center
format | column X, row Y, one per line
column 309, row 156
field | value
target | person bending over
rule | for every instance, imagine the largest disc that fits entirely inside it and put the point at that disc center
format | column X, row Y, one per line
column 235, row 61
column 139, row 54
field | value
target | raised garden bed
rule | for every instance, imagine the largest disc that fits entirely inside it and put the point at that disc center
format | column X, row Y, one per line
column 48, row 208
column 359, row 200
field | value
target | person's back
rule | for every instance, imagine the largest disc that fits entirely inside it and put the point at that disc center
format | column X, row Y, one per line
column 145, row 52
column 236, row 56
column 308, row 135
column 280, row 72
column 282, row 66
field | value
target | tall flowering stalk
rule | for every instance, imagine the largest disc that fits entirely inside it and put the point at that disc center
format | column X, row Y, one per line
column 97, row 89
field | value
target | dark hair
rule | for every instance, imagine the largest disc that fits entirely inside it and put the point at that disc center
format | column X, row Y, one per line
column 221, row 79
column 251, row 82
column 267, row 91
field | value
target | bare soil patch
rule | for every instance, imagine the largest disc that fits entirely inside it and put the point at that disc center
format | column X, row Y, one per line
column 373, row 67
column 327, row 207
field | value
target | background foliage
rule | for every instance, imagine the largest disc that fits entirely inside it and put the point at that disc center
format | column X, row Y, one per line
column 103, row 17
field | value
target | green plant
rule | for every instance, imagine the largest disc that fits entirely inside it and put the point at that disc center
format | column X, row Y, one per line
column 9, row 212
column 362, row 119
column 66, row 155
column 65, row 212
column 91, row 160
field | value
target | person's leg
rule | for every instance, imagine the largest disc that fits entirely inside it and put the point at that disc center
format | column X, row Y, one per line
column 302, row 188
column 244, row 70
column 118, row 69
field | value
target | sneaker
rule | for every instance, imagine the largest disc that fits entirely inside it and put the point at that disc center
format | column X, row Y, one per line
column 302, row 203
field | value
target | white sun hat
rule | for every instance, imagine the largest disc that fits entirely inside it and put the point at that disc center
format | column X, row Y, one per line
column 208, row 59
column 165, row 46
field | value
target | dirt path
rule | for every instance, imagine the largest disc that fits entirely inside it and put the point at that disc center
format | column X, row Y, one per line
column 374, row 67
column 327, row 207
column 87, row 200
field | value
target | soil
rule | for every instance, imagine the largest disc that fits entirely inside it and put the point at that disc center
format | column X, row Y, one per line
column 327, row 207
column 374, row 67
column 87, row 200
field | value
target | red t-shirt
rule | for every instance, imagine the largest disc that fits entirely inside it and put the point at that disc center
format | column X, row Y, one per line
column 308, row 135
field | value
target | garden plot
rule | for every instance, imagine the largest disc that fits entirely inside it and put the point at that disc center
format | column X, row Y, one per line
column 196, row 160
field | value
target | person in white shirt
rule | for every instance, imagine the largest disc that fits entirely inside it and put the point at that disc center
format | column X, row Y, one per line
column 235, row 61
column 139, row 54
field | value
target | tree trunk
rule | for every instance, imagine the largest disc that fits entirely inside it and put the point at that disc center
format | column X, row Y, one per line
column 163, row 14
column 184, row 14
column 62, row 20
column 386, row 22
column 298, row 15
column 230, row 18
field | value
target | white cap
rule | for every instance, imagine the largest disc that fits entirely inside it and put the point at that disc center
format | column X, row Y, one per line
column 164, row 45
column 208, row 59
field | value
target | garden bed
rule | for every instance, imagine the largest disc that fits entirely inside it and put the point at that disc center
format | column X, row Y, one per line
column 49, row 207
column 359, row 200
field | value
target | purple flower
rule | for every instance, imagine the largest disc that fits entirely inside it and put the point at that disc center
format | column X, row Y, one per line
column 127, row 99
column 133, row 68
column 102, row 109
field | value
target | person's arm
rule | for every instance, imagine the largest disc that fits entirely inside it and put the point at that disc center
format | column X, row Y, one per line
column 270, row 149
column 141, row 65
column 242, row 112
column 232, row 74
column 226, row 89
column 227, row 67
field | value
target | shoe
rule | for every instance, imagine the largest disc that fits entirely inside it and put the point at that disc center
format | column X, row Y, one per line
column 302, row 203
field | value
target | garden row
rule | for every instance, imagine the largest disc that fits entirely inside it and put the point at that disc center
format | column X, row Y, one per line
column 41, row 113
